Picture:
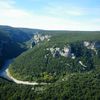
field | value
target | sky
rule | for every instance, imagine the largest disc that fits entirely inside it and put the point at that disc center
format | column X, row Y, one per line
column 51, row 14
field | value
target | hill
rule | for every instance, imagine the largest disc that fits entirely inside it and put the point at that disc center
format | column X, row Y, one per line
column 13, row 42
column 8, row 48
column 57, row 55
column 18, row 34
column 68, row 60
column 80, row 86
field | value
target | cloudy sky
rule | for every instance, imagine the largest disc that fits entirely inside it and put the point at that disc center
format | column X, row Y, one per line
column 51, row 14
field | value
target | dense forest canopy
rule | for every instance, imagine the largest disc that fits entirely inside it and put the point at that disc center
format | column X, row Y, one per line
column 68, row 60
column 48, row 61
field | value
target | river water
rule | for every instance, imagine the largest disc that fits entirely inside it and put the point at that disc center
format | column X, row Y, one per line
column 4, row 73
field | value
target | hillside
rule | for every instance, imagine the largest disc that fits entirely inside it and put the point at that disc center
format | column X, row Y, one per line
column 83, row 86
column 58, row 55
column 29, row 30
column 13, row 42
column 15, row 34
column 8, row 48
column 68, row 60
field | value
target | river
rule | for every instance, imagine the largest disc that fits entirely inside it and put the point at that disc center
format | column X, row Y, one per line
column 4, row 73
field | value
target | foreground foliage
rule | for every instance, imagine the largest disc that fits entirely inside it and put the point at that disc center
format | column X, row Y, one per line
column 84, row 86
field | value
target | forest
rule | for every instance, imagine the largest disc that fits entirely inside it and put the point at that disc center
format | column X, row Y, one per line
column 69, row 63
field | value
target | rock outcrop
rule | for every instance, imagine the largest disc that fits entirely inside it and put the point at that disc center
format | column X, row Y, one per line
column 38, row 38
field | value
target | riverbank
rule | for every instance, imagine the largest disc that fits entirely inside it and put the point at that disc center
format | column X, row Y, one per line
column 4, row 72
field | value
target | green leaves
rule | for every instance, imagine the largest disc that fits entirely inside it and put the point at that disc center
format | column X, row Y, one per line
column 38, row 59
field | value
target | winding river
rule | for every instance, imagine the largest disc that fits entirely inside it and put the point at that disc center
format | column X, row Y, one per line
column 4, row 73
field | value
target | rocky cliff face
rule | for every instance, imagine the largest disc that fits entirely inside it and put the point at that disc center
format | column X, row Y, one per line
column 36, row 39
column 57, row 51
column 39, row 38
column 67, row 52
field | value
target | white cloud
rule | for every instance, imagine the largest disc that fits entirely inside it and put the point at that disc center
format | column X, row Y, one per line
column 8, row 10
column 14, row 13
column 9, row 15
column 6, row 4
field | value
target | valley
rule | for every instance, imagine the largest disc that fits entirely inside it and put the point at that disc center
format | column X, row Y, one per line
column 49, row 65
column 4, row 73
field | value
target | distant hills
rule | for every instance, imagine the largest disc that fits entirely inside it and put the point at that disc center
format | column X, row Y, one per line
column 18, row 34
column 12, row 41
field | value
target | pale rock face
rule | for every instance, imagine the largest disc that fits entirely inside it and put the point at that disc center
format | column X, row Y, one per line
column 58, row 52
column 90, row 46
column 39, row 37
column 73, row 56
column 45, row 56
column 57, row 49
column 42, row 38
column 31, row 43
column 48, row 39
column 47, row 36
column 62, row 54
column 66, row 51
column 86, row 44
column 36, row 37
column 47, row 49
column 80, row 62
column 52, row 50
